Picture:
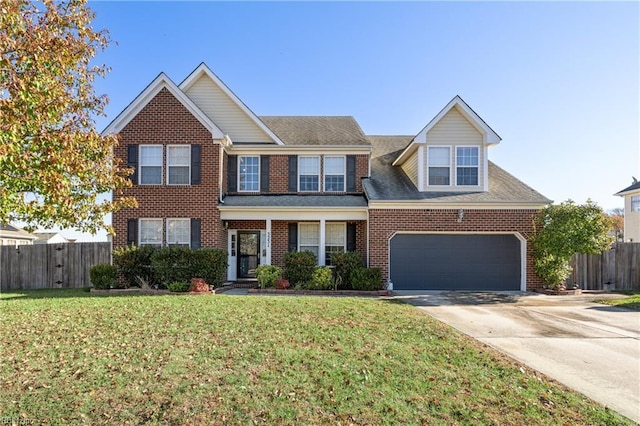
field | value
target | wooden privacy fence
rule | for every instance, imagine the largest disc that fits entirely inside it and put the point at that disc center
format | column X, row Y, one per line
column 618, row 268
column 40, row 266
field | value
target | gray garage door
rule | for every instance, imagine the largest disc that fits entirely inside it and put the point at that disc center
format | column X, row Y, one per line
column 455, row 262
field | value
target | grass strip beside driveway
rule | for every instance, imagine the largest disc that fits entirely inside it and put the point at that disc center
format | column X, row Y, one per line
column 69, row 357
column 632, row 302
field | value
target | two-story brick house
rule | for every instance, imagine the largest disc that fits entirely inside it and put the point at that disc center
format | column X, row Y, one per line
column 430, row 210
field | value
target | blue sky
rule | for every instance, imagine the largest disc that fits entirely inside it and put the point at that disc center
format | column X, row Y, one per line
column 558, row 81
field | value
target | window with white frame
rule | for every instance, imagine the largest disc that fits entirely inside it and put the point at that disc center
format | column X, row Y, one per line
column 179, row 165
column 309, row 237
column 335, row 240
column 439, row 161
column 249, row 173
column 150, row 232
column 635, row 203
column 308, row 174
column 179, row 232
column 466, row 165
column 334, row 173
column 151, row 164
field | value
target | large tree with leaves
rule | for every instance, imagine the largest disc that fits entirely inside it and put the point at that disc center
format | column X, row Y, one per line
column 563, row 230
column 53, row 162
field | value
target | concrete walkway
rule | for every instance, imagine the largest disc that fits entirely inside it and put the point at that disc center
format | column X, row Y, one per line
column 592, row 348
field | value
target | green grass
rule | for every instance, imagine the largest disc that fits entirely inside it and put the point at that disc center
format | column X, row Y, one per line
column 632, row 302
column 68, row 357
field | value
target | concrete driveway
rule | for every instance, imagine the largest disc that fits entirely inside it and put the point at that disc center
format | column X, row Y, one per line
column 592, row 348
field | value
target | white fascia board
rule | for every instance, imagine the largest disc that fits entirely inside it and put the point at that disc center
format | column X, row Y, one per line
column 629, row 192
column 410, row 149
column 430, row 205
column 298, row 149
column 204, row 69
column 297, row 214
column 159, row 83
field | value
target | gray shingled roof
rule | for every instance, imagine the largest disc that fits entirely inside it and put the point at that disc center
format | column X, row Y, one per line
column 300, row 130
column 629, row 188
column 291, row 200
column 388, row 183
column 11, row 231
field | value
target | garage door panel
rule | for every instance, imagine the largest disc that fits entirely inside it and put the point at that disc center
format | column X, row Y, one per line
column 455, row 262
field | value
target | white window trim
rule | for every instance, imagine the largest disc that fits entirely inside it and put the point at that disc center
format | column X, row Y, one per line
column 455, row 173
column 140, row 231
column 344, row 173
column 300, row 234
column 166, row 233
column 150, row 165
column 319, row 157
column 344, row 240
column 631, row 202
column 259, row 170
column 178, row 165
column 450, row 147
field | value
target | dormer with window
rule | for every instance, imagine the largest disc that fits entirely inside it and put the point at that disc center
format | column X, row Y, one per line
column 450, row 153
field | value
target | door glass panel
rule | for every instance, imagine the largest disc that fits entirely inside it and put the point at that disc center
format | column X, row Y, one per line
column 248, row 253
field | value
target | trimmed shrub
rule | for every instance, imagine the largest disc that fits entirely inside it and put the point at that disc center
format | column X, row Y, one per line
column 268, row 275
column 172, row 264
column 134, row 265
column 198, row 285
column 282, row 284
column 299, row 266
column 345, row 263
column 179, row 286
column 103, row 276
column 366, row 279
column 322, row 279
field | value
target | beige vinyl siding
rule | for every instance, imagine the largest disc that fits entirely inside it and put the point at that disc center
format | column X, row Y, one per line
column 455, row 130
column 631, row 220
column 410, row 168
column 224, row 112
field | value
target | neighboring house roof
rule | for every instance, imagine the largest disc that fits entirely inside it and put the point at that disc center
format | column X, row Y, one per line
column 159, row 83
column 13, row 232
column 389, row 183
column 316, row 130
column 45, row 237
column 294, row 201
column 633, row 188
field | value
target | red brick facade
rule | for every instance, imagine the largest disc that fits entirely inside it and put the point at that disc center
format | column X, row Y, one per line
column 384, row 223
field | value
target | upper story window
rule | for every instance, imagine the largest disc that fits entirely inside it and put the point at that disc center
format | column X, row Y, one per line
column 179, row 165
column 308, row 174
column 151, row 232
column 249, row 173
column 151, row 164
column 334, row 173
column 179, row 232
column 635, row 203
column 467, row 165
column 439, row 160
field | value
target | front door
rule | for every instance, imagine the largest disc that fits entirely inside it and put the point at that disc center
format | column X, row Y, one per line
column 248, row 253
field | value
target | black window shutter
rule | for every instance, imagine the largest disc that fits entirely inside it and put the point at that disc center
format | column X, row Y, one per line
column 351, row 237
column 293, row 173
column 351, row 173
column 232, row 173
column 132, row 161
column 132, row 232
column 196, row 159
column 264, row 173
column 195, row 233
column 293, row 237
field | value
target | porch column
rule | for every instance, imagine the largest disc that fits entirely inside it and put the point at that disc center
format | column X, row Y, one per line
column 268, row 243
column 321, row 249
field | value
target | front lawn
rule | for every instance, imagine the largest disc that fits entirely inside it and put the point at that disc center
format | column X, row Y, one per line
column 68, row 357
column 632, row 302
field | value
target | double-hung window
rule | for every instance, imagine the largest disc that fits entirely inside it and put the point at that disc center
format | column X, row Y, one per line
column 179, row 165
column 439, row 161
column 151, row 164
column 635, row 203
column 249, row 173
column 179, row 232
column 309, row 237
column 334, row 172
column 467, row 165
column 335, row 240
column 151, row 232
column 308, row 174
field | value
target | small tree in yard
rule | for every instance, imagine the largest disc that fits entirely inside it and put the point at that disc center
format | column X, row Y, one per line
column 563, row 230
